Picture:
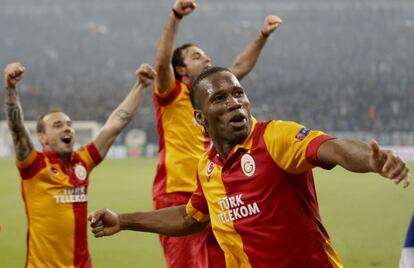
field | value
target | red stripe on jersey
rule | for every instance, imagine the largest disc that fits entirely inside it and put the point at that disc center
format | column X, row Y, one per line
column 82, row 259
column 31, row 170
column 171, row 97
column 159, row 185
column 312, row 151
column 93, row 152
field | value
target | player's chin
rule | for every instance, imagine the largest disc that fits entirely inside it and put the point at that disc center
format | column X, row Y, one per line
column 66, row 148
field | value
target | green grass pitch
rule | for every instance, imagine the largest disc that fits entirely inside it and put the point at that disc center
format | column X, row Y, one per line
column 366, row 216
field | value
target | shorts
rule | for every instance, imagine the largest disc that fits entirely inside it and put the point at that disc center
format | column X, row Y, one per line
column 199, row 250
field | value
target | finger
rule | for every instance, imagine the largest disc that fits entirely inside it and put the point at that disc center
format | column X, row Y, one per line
column 406, row 181
column 397, row 167
column 96, row 215
column 401, row 175
column 97, row 224
column 92, row 217
column 98, row 229
column 391, row 161
column 188, row 4
column 99, row 234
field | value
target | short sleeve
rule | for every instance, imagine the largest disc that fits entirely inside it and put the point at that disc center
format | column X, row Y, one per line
column 168, row 96
column 197, row 206
column 90, row 155
column 30, row 166
column 293, row 146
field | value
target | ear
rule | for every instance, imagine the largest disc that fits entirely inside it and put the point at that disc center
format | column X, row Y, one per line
column 182, row 71
column 200, row 118
column 41, row 137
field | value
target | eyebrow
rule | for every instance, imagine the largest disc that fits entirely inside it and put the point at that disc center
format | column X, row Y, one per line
column 196, row 54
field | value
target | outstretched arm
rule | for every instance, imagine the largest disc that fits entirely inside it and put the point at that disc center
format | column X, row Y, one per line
column 359, row 156
column 172, row 221
column 245, row 62
column 165, row 77
column 14, row 114
column 124, row 113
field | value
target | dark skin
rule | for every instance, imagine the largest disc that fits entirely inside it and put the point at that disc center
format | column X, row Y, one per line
column 223, row 110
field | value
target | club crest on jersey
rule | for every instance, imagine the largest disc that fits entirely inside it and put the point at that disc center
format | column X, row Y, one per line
column 80, row 172
column 302, row 133
column 248, row 165
column 210, row 168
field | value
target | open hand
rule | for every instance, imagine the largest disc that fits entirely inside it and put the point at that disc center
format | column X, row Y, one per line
column 389, row 165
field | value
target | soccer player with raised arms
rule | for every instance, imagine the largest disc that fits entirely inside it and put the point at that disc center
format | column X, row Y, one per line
column 181, row 140
column 255, row 185
column 55, row 181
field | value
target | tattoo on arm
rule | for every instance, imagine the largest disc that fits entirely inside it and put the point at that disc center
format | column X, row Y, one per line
column 21, row 139
column 123, row 116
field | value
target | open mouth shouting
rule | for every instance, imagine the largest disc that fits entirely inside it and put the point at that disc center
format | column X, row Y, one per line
column 66, row 138
column 238, row 121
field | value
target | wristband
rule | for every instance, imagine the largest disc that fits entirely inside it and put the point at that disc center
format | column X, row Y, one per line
column 176, row 14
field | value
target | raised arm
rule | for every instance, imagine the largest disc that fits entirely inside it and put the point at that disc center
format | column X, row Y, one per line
column 124, row 113
column 14, row 114
column 165, row 72
column 359, row 156
column 245, row 62
column 172, row 221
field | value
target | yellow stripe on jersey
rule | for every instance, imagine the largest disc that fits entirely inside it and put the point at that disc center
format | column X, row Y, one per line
column 194, row 213
column 49, row 222
column 286, row 149
column 332, row 256
column 183, row 140
column 228, row 238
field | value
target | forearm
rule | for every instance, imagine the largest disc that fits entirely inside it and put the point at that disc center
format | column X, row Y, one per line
column 172, row 221
column 350, row 154
column 126, row 110
column 14, row 114
column 166, row 45
column 245, row 62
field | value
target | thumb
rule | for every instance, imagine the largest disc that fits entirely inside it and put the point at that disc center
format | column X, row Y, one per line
column 375, row 150
column 94, row 216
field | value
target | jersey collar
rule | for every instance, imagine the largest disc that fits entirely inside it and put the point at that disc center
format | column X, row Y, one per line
column 245, row 145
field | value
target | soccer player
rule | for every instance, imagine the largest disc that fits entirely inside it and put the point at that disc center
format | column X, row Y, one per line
column 181, row 140
column 255, row 185
column 55, row 181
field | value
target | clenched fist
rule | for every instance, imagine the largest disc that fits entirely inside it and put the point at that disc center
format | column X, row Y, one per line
column 146, row 74
column 272, row 22
column 184, row 7
column 13, row 72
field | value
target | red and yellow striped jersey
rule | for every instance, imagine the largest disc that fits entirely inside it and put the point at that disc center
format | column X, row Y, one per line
column 55, row 198
column 181, row 141
column 261, row 200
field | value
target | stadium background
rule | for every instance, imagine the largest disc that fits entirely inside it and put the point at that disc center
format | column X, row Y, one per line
column 346, row 67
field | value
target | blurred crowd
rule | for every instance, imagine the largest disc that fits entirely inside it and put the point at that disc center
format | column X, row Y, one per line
column 333, row 65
